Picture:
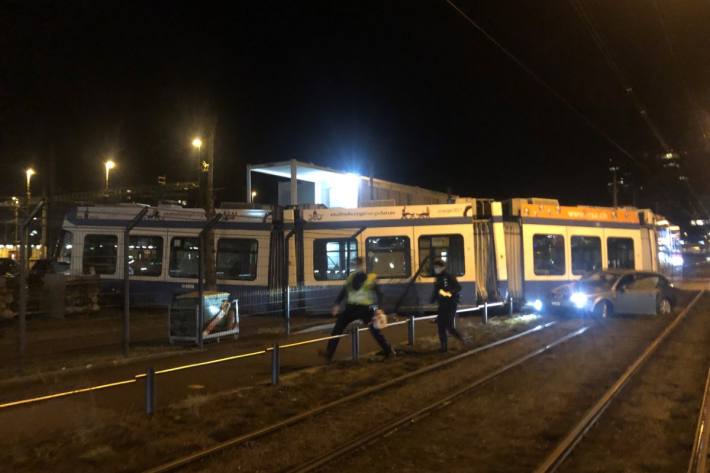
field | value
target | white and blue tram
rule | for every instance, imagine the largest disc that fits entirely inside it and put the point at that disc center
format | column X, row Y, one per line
column 520, row 248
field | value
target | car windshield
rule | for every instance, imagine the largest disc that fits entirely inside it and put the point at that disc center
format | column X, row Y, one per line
column 599, row 280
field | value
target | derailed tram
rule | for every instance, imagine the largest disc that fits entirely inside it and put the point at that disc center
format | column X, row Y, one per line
column 515, row 250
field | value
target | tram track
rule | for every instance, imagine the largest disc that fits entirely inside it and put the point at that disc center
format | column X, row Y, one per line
column 385, row 431
column 568, row 444
column 205, row 454
column 386, row 428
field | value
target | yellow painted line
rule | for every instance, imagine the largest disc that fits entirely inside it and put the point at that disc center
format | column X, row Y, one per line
column 66, row 393
column 306, row 342
column 204, row 363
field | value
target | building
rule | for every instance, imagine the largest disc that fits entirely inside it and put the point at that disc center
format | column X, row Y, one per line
column 310, row 184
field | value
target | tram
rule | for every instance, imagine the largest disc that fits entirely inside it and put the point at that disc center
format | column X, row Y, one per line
column 514, row 250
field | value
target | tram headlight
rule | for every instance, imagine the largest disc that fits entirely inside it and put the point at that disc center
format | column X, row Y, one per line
column 579, row 299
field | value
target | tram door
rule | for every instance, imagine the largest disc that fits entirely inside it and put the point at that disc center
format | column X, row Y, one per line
column 484, row 260
column 514, row 258
column 647, row 259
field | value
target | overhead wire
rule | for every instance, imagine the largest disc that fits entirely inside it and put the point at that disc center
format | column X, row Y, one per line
column 587, row 121
column 690, row 98
column 620, row 76
column 588, row 22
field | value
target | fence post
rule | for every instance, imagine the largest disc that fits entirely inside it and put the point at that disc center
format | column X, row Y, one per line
column 485, row 312
column 287, row 309
column 150, row 391
column 275, row 364
column 410, row 331
column 126, row 279
column 355, row 338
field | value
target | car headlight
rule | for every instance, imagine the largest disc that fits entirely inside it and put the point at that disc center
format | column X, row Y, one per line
column 579, row 299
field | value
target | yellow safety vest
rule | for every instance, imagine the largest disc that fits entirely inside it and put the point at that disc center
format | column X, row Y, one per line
column 366, row 294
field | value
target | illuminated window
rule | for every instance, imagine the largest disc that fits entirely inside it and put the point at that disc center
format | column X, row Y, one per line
column 184, row 257
column 237, row 258
column 448, row 248
column 99, row 255
column 333, row 259
column 388, row 257
column 549, row 255
column 620, row 252
column 586, row 254
column 145, row 256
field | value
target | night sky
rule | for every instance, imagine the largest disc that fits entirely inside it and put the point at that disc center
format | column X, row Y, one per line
column 408, row 87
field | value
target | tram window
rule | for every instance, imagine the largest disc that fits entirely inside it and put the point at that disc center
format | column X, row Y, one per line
column 388, row 257
column 549, row 255
column 65, row 250
column 145, row 256
column 236, row 258
column 184, row 257
column 100, row 254
column 333, row 259
column 586, row 254
column 620, row 252
column 448, row 248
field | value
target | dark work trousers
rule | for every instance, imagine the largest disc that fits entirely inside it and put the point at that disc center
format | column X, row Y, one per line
column 351, row 313
column 445, row 322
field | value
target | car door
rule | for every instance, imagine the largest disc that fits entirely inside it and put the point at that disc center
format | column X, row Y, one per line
column 640, row 295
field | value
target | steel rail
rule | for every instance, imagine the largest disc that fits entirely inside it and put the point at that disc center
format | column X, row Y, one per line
column 699, row 455
column 390, row 426
column 236, row 441
column 574, row 436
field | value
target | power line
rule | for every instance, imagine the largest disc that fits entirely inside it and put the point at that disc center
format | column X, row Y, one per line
column 568, row 104
column 689, row 96
column 621, row 77
column 587, row 121
column 578, row 6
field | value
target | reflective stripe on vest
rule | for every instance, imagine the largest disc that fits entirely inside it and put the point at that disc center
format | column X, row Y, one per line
column 366, row 294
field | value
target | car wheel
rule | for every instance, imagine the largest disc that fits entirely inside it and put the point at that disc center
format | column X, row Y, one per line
column 603, row 310
column 664, row 307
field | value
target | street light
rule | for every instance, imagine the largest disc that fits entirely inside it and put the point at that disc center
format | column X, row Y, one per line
column 197, row 142
column 253, row 195
column 108, row 165
column 29, row 172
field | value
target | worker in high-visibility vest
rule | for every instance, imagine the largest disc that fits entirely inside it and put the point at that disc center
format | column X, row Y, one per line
column 446, row 294
column 363, row 300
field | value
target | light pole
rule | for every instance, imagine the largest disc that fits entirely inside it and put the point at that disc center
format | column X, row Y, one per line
column 108, row 165
column 207, row 194
column 29, row 172
column 16, row 207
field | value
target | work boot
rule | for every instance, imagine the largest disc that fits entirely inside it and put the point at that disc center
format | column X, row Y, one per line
column 327, row 356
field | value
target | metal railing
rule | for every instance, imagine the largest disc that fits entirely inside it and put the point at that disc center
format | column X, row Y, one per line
column 151, row 374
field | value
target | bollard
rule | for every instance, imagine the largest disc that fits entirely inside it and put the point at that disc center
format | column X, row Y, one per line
column 150, row 391
column 485, row 312
column 287, row 314
column 410, row 331
column 355, row 339
column 275, row 364
column 510, row 306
